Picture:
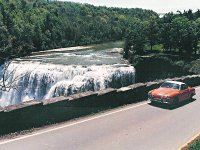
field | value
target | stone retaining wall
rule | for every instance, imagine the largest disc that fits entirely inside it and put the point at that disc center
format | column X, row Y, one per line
column 35, row 114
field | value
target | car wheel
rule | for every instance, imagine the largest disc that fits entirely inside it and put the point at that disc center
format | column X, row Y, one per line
column 174, row 103
column 152, row 103
column 190, row 98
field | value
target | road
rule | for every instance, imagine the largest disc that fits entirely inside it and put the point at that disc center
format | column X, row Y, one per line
column 135, row 127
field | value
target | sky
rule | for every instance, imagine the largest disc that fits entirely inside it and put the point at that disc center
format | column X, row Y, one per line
column 160, row 6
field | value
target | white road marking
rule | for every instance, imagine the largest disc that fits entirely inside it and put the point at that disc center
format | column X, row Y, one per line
column 72, row 124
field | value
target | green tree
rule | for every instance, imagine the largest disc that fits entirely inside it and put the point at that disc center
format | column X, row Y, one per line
column 136, row 38
column 166, row 32
column 152, row 31
column 184, row 35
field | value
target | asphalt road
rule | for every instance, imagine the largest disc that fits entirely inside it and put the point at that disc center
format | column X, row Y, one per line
column 135, row 127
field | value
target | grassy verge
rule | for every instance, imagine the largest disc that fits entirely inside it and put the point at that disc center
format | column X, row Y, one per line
column 193, row 145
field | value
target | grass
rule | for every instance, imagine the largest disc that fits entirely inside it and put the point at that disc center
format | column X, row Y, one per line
column 158, row 47
column 195, row 146
column 109, row 45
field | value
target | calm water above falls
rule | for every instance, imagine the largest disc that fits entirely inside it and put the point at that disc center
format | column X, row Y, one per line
column 85, row 56
column 65, row 72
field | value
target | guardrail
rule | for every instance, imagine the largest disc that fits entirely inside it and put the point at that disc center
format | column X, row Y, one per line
column 33, row 114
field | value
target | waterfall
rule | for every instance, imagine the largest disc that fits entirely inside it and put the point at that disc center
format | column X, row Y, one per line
column 33, row 80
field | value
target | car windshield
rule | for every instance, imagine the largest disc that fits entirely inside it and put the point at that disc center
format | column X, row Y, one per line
column 170, row 85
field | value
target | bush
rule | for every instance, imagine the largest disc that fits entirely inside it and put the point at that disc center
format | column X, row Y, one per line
column 152, row 67
column 195, row 67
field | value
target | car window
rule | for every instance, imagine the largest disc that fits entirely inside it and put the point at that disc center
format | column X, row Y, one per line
column 176, row 86
column 166, row 85
column 184, row 86
column 170, row 85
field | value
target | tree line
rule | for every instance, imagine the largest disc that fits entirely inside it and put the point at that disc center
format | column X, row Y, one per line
column 174, row 32
column 34, row 25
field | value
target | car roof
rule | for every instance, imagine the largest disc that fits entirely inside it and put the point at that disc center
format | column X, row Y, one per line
column 176, row 82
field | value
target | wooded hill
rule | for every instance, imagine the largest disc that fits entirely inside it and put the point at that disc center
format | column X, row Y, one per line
column 33, row 25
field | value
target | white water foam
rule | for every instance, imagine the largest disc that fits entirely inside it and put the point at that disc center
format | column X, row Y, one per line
column 41, row 81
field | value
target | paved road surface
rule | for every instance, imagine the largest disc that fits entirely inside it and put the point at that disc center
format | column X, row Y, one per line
column 135, row 127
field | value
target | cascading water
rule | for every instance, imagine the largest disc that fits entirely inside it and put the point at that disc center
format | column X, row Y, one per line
column 42, row 80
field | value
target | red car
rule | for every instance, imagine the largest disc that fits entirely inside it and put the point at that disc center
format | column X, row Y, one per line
column 171, row 92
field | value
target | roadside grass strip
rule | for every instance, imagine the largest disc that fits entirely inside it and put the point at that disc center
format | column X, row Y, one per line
column 192, row 144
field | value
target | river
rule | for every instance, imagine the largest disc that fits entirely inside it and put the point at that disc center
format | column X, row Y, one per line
column 66, row 71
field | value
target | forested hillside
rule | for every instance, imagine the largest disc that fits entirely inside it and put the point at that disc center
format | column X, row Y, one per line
column 33, row 25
